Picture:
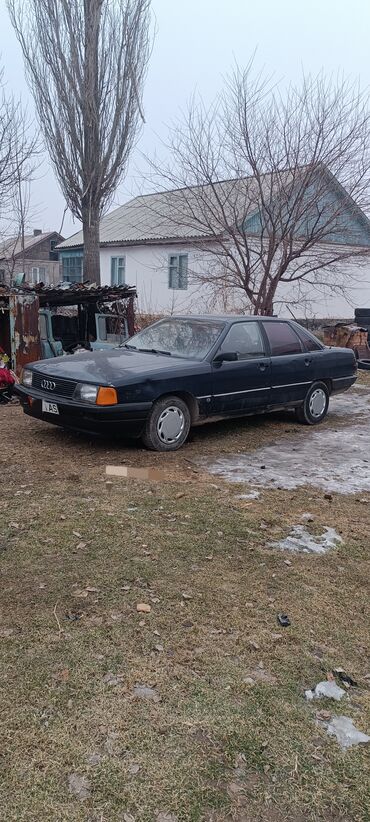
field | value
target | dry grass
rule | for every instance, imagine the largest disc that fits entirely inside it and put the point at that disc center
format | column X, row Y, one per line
column 212, row 748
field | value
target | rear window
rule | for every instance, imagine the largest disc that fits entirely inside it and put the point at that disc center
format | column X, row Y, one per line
column 309, row 341
column 282, row 339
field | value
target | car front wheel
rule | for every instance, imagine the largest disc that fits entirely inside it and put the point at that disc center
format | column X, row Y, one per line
column 315, row 406
column 168, row 425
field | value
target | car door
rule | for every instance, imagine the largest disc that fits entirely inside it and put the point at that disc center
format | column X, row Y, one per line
column 243, row 385
column 292, row 370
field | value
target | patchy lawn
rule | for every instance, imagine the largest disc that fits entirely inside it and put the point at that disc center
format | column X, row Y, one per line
column 78, row 554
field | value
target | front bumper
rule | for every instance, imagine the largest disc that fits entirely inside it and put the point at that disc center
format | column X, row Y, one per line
column 109, row 420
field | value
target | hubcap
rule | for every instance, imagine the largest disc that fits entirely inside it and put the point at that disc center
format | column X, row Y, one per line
column 317, row 403
column 171, row 424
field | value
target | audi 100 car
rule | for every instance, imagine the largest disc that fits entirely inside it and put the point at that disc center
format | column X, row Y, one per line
column 182, row 371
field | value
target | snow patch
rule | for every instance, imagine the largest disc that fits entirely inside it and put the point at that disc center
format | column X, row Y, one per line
column 346, row 733
column 335, row 460
column 300, row 540
column 327, row 689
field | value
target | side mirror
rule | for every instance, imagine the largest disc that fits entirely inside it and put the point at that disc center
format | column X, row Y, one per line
column 226, row 356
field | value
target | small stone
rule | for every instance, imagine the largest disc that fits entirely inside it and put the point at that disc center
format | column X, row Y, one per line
column 158, row 648
column 328, row 496
column 143, row 608
column 249, row 681
column 127, row 817
column 254, row 645
column 134, row 769
column 323, row 716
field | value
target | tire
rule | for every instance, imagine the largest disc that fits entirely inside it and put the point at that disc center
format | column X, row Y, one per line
column 363, row 365
column 168, row 425
column 315, row 406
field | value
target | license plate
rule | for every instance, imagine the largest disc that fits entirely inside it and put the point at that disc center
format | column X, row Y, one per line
column 49, row 407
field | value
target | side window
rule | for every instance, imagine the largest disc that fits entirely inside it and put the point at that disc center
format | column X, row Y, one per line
column 282, row 339
column 310, row 342
column 245, row 340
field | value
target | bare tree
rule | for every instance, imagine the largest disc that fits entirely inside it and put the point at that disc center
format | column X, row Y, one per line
column 18, row 147
column 86, row 62
column 270, row 185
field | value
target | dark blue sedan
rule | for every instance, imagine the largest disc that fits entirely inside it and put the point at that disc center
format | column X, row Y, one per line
column 184, row 370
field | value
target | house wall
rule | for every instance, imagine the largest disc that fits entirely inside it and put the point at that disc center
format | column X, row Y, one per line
column 147, row 269
column 51, row 276
column 42, row 250
column 35, row 257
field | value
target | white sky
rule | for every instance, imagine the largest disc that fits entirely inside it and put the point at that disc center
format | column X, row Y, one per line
column 196, row 44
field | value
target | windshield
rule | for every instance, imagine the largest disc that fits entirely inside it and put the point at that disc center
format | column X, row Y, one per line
column 186, row 338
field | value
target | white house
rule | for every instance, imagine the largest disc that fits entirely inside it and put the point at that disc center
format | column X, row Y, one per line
column 148, row 243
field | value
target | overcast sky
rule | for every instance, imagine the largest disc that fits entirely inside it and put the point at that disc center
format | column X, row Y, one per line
column 197, row 42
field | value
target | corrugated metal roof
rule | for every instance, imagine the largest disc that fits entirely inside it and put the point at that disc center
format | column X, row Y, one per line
column 181, row 214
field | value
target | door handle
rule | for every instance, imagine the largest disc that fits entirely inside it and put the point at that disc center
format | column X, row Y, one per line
column 307, row 361
column 262, row 366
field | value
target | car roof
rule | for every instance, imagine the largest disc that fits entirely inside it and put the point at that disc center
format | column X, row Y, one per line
column 227, row 317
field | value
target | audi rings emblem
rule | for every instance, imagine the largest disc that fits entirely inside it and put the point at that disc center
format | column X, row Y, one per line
column 48, row 385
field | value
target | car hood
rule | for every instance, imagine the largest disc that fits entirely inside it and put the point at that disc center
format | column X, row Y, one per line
column 110, row 367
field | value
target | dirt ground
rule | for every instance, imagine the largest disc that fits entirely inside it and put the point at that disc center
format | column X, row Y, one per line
column 219, row 729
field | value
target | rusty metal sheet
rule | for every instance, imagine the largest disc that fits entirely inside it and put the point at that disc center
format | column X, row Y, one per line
column 24, row 330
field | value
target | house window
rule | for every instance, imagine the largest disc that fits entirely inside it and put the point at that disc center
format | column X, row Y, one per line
column 2, row 275
column 72, row 267
column 117, row 270
column 53, row 255
column 38, row 275
column 178, row 272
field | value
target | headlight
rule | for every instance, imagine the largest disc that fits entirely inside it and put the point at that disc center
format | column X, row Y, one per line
column 86, row 393
column 27, row 377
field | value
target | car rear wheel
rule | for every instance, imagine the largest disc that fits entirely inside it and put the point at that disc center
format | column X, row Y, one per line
column 168, row 425
column 315, row 406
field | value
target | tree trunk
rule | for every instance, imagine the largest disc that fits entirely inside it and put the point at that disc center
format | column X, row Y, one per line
column 90, row 226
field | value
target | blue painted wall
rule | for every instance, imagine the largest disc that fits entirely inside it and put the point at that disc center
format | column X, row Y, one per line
column 351, row 228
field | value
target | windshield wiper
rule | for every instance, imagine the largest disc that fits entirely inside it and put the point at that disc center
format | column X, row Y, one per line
column 155, row 351
column 126, row 345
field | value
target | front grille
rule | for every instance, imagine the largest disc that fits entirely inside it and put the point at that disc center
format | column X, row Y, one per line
column 63, row 388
